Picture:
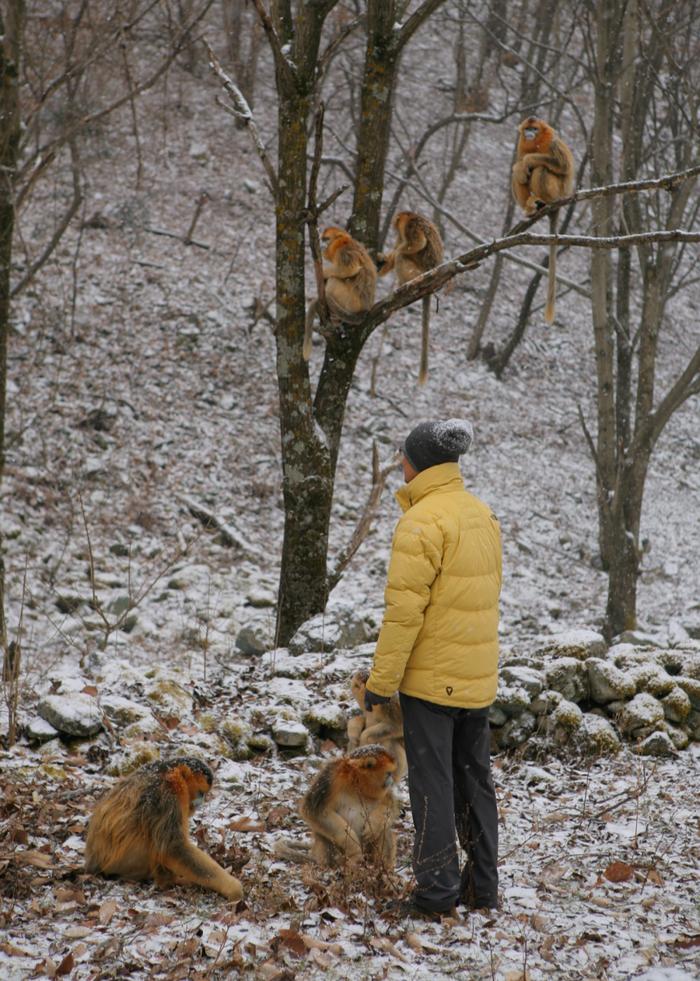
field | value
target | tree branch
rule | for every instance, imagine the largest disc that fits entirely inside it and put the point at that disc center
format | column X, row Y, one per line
column 436, row 278
column 283, row 64
column 241, row 111
column 684, row 388
column 417, row 18
column 625, row 187
column 364, row 524
column 63, row 224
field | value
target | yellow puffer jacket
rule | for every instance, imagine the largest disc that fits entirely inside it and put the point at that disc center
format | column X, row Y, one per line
column 439, row 638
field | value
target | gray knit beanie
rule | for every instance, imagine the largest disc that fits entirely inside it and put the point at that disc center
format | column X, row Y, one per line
column 432, row 443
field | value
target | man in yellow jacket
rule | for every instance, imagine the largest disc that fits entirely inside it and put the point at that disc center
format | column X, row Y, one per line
column 438, row 646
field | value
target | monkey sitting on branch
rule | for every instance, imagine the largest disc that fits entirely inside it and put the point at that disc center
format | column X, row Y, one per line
column 382, row 724
column 418, row 249
column 139, row 829
column 542, row 173
column 350, row 280
column 350, row 809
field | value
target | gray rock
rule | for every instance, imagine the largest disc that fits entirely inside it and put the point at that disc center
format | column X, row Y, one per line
column 676, row 705
column 677, row 634
column 325, row 716
column 290, row 733
column 282, row 664
column 41, row 731
column 255, row 638
column 73, row 715
column 576, row 643
column 679, row 737
column 642, row 712
column 652, row 678
column 122, row 711
column 568, row 675
column 516, row 731
column 497, row 717
column 607, row 683
column 546, row 702
column 567, row 716
column 328, row 632
column 637, row 637
column 521, row 677
column 261, row 598
column 511, row 701
column 657, row 744
column 693, row 725
column 691, row 686
column 597, row 737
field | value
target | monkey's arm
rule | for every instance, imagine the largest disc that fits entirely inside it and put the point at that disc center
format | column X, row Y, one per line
column 380, row 730
column 190, row 864
column 337, row 830
column 553, row 162
column 342, row 270
column 386, row 262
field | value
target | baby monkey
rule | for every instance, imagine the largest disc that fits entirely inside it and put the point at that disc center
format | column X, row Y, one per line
column 350, row 809
column 382, row 724
column 139, row 829
column 418, row 249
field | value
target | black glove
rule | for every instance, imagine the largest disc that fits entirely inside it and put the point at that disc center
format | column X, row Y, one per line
column 371, row 700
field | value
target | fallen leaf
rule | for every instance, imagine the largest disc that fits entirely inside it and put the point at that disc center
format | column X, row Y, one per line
column 66, row 965
column 685, row 943
column 291, row 940
column 107, row 911
column 39, row 860
column 13, row 951
column 619, row 872
column 321, row 960
column 77, row 932
column 314, row 944
column 385, row 945
column 89, row 690
column 246, row 824
column 277, row 815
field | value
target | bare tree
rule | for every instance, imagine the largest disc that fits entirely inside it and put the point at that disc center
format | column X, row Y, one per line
column 646, row 81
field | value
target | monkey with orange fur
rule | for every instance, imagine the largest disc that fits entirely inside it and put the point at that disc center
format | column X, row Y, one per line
column 543, row 173
column 418, row 249
column 139, row 829
column 350, row 280
column 382, row 724
column 350, row 809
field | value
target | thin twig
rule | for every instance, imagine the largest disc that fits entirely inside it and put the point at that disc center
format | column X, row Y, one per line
column 242, row 112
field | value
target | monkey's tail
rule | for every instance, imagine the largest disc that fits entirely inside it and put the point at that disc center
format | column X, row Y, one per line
column 425, row 342
column 552, row 277
column 293, row 851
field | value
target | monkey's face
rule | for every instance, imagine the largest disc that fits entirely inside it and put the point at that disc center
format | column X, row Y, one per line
column 376, row 766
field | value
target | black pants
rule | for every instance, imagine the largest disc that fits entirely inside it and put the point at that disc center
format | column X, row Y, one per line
column 451, row 791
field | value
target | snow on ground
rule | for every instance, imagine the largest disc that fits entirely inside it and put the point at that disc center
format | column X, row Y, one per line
column 159, row 392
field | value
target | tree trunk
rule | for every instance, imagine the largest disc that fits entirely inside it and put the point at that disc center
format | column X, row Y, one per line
column 376, row 104
column 10, row 47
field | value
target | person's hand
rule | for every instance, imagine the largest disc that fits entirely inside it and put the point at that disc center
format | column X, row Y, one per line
column 371, row 700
